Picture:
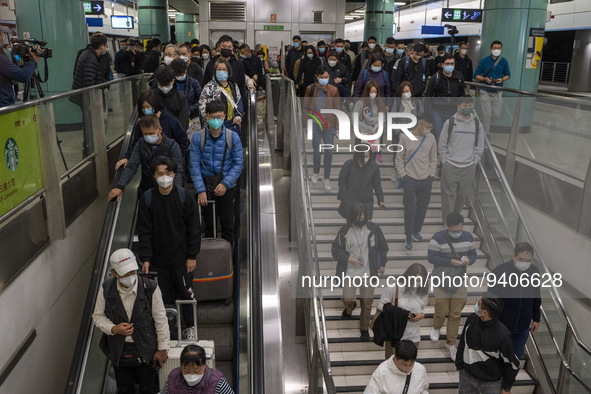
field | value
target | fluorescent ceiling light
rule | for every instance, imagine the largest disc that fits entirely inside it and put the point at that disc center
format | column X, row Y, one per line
column 399, row 3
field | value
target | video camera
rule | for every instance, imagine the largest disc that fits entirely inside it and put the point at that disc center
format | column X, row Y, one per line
column 21, row 48
column 452, row 30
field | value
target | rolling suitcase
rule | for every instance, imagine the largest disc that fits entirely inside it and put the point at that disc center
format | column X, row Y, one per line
column 213, row 278
column 176, row 347
column 171, row 311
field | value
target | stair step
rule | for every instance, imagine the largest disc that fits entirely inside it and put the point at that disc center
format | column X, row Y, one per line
column 393, row 212
column 402, row 256
column 388, row 225
column 391, row 197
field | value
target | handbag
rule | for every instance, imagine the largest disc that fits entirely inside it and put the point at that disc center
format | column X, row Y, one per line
column 400, row 183
column 212, row 181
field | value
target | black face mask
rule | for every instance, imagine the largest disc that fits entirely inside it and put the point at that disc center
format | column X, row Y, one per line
column 226, row 53
column 359, row 223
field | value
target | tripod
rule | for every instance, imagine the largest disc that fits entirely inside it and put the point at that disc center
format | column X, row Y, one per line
column 33, row 90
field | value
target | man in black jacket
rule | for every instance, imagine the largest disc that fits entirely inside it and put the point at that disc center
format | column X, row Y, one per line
column 169, row 233
column 485, row 358
column 87, row 71
column 342, row 56
column 193, row 69
column 295, row 53
column 464, row 63
column 522, row 303
column 339, row 75
column 119, row 58
column 151, row 59
column 226, row 47
column 170, row 97
column 413, row 68
column 444, row 86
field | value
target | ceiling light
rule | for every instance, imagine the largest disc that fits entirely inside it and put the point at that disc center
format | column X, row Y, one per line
column 400, row 3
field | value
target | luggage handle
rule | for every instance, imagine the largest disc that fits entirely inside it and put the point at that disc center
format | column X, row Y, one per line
column 178, row 319
column 215, row 219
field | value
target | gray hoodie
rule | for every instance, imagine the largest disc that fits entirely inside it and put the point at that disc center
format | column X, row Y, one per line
column 461, row 150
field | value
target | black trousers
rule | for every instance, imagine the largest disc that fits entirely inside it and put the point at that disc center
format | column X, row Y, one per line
column 417, row 195
column 177, row 284
column 144, row 375
column 224, row 207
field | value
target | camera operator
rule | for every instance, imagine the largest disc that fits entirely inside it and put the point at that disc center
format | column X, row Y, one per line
column 10, row 71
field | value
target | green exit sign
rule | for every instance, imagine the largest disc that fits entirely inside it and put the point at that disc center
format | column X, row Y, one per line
column 274, row 27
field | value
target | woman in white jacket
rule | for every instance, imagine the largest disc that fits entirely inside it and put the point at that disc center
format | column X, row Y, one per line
column 400, row 373
column 413, row 297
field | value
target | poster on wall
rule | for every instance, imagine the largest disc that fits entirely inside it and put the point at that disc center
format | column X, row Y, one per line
column 21, row 175
column 534, row 48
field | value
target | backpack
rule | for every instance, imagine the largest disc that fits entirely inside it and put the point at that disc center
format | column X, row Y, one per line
column 365, row 71
column 436, row 78
column 450, row 128
column 407, row 62
column 148, row 196
column 228, row 139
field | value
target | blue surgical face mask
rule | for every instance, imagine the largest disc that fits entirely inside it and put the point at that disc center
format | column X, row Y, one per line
column 310, row 55
column 376, row 69
column 390, row 50
column 215, row 123
column 221, row 76
column 339, row 49
column 467, row 111
column 323, row 81
column 455, row 235
column 321, row 50
column 476, row 308
column 243, row 56
column 400, row 51
column 448, row 69
column 151, row 139
column 296, row 44
column 148, row 111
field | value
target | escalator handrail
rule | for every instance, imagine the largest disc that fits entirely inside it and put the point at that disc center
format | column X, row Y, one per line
column 572, row 100
column 557, row 299
column 98, row 272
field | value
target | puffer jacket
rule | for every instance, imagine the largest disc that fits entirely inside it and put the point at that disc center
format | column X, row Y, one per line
column 191, row 88
column 87, row 71
column 209, row 162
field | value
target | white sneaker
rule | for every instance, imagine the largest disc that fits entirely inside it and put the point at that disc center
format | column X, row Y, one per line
column 327, row 185
column 315, row 178
column 451, row 350
column 434, row 335
column 189, row 334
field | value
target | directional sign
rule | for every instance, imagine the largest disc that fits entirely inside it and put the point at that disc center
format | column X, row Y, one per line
column 94, row 8
column 463, row 15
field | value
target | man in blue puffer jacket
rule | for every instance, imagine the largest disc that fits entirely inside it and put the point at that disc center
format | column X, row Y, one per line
column 215, row 164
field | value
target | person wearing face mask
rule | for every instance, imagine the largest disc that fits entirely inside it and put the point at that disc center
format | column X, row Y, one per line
column 493, row 70
column 359, row 249
column 194, row 376
column 171, row 52
column 87, row 71
column 152, row 145
column 188, row 86
column 486, row 358
column 416, row 165
column 368, row 109
column 349, row 52
column 412, row 68
column 361, row 61
column 339, row 75
column 400, row 373
column 132, row 58
column 450, row 252
column 323, row 50
column 216, row 162
column 342, row 55
column 193, row 69
column 390, row 51
column 359, row 179
column 464, row 63
column 293, row 55
column 169, row 232
column 10, row 72
column 151, row 59
column 119, row 66
column 253, row 65
column 223, row 88
column 305, row 70
column 170, row 97
column 444, row 86
column 375, row 73
column 148, row 104
column 202, row 57
column 460, row 147
column 318, row 96
column 130, row 313
column 226, row 51
column 521, row 314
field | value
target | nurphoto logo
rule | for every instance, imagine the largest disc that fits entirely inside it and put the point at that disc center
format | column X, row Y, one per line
column 11, row 155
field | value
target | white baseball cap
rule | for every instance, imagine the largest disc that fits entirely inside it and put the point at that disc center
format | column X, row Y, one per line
column 123, row 261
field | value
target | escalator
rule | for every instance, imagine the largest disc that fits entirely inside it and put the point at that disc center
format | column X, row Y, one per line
column 556, row 359
column 235, row 327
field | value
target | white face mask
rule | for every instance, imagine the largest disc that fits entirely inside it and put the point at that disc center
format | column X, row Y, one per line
column 193, row 380
column 373, row 95
column 332, row 63
column 371, row 46
column 182, row 77
column 375, row 69
column 496, row 52
column 128, row 281
column 463, row 51
column 165, row 89
column 185, row 59
column 522, row 265
column 205, row 56
column 164, row 181
column 406, row 95
column 168, row 60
